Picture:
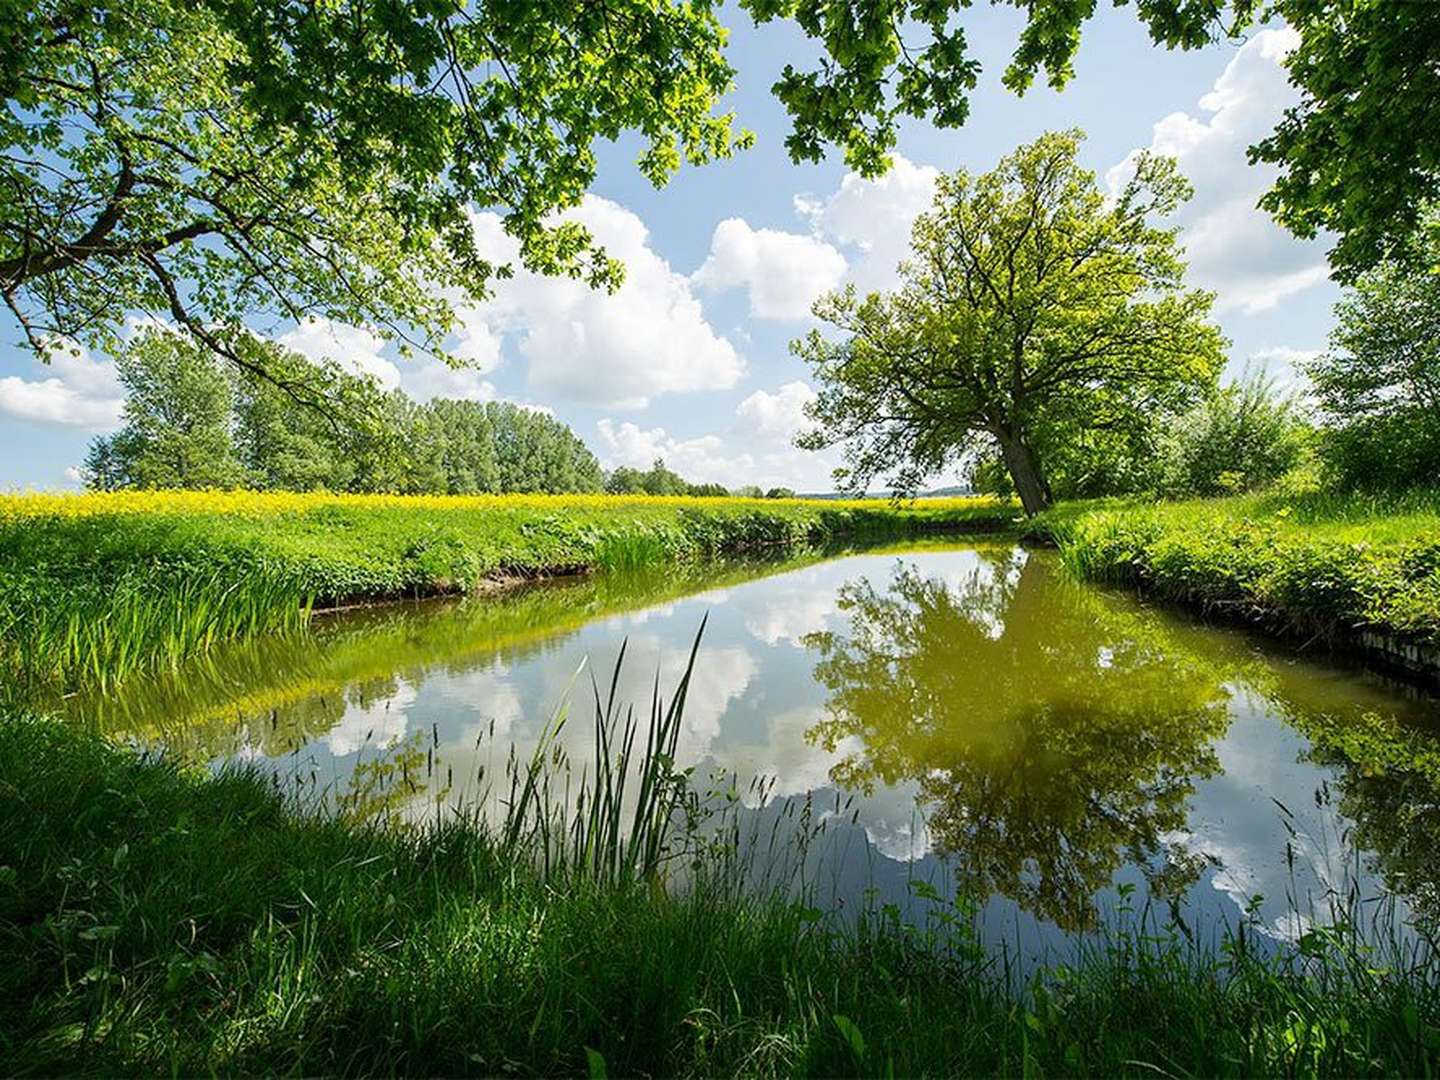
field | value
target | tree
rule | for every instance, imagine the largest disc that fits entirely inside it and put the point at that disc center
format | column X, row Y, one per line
column 177, row 430
column 1034, row 310
column 1378, row 384
column 223, row 160
column 1241, row 437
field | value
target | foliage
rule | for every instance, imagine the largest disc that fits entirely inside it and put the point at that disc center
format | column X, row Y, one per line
column 134, row 577
column 191, row 425
column 1365, row 71
column 1378, row 384
column 225, row 162
column 1241, row 437
column 319, row 945
column 1367, row 79
column 1034, row 310
column 176, row 430
column 659, row 479
column 1320, row 564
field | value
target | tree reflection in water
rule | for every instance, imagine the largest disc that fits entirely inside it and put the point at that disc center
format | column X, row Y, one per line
column 1053, row 736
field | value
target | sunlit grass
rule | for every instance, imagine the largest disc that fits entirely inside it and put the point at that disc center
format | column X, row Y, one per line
column 1319, row 563
column 95, row 585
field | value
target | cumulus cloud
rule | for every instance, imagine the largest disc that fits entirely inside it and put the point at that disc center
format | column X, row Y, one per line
column 354, row 348
column 1233, row 247
column 74, row 389
column 780, row 415
column 615, row 350
column 765, row 423
column 702, row 459
column 870, row 220
column 784, row 272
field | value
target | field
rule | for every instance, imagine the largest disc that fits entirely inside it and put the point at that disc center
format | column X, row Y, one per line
column 92, row 586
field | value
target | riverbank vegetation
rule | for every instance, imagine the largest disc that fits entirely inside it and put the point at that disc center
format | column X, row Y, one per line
column 1317, row 564
column 126, row 578
column 318, row 945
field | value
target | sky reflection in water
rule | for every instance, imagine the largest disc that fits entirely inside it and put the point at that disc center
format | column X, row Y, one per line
column 991, row 723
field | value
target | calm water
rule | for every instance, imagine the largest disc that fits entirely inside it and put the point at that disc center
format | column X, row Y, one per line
column 958, row 714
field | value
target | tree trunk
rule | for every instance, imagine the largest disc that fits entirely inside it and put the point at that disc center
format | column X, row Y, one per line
column 1025, row 472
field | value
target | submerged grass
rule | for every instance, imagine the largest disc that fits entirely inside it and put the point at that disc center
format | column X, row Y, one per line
column 93, row 586
column 156, row 918
column 1316, row 563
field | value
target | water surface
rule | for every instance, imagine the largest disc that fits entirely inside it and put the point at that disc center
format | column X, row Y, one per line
column 964, row 715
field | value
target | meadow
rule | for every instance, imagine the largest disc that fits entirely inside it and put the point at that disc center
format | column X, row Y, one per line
column 94, row 585
column 617, row 930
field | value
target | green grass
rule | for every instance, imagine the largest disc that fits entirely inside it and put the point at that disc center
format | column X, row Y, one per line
column 154, row 919
column 94, row 586
column 1317, row 564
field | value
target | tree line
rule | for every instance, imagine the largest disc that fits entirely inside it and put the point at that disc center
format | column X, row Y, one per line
column 190, row 421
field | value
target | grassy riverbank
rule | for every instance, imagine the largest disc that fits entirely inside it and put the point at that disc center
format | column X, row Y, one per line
column 1315, row 564
column 319, row 946
column 93, row 585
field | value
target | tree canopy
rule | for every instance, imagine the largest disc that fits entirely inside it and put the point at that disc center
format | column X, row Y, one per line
column 191, row 422
column 224, row 162
column 1034, row 309
column 1378, row 384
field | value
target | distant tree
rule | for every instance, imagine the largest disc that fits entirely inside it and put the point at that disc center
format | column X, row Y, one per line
column 289, row 446
column 1378, row 384
column 708, row 491
column 536, row 452
column 1241, row 437
column 750, row 491
column 625, row 480
column 1033, row 310
column 469, row 446
column 780, row 493
column 176, row 420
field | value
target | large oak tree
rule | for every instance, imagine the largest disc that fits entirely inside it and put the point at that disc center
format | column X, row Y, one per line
column 1034, row 307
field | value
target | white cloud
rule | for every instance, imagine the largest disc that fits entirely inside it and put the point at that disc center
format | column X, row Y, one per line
column 764, row 428
column 784, row 272
column 355, row 349
column 1284, row 364
column 73, row 389
column 871, row 219
column 780, row 415
column 699, row 460
column 1234, row 248
column 615, row 350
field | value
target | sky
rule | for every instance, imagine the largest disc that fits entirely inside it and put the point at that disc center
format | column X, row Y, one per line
column 690, row 359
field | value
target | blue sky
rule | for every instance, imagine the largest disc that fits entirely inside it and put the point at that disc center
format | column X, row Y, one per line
column 690, row 359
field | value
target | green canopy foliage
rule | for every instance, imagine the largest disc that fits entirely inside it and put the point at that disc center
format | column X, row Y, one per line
column 225, row 162
column 188, row 422
column 1378, row 384
column 1034, row 310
